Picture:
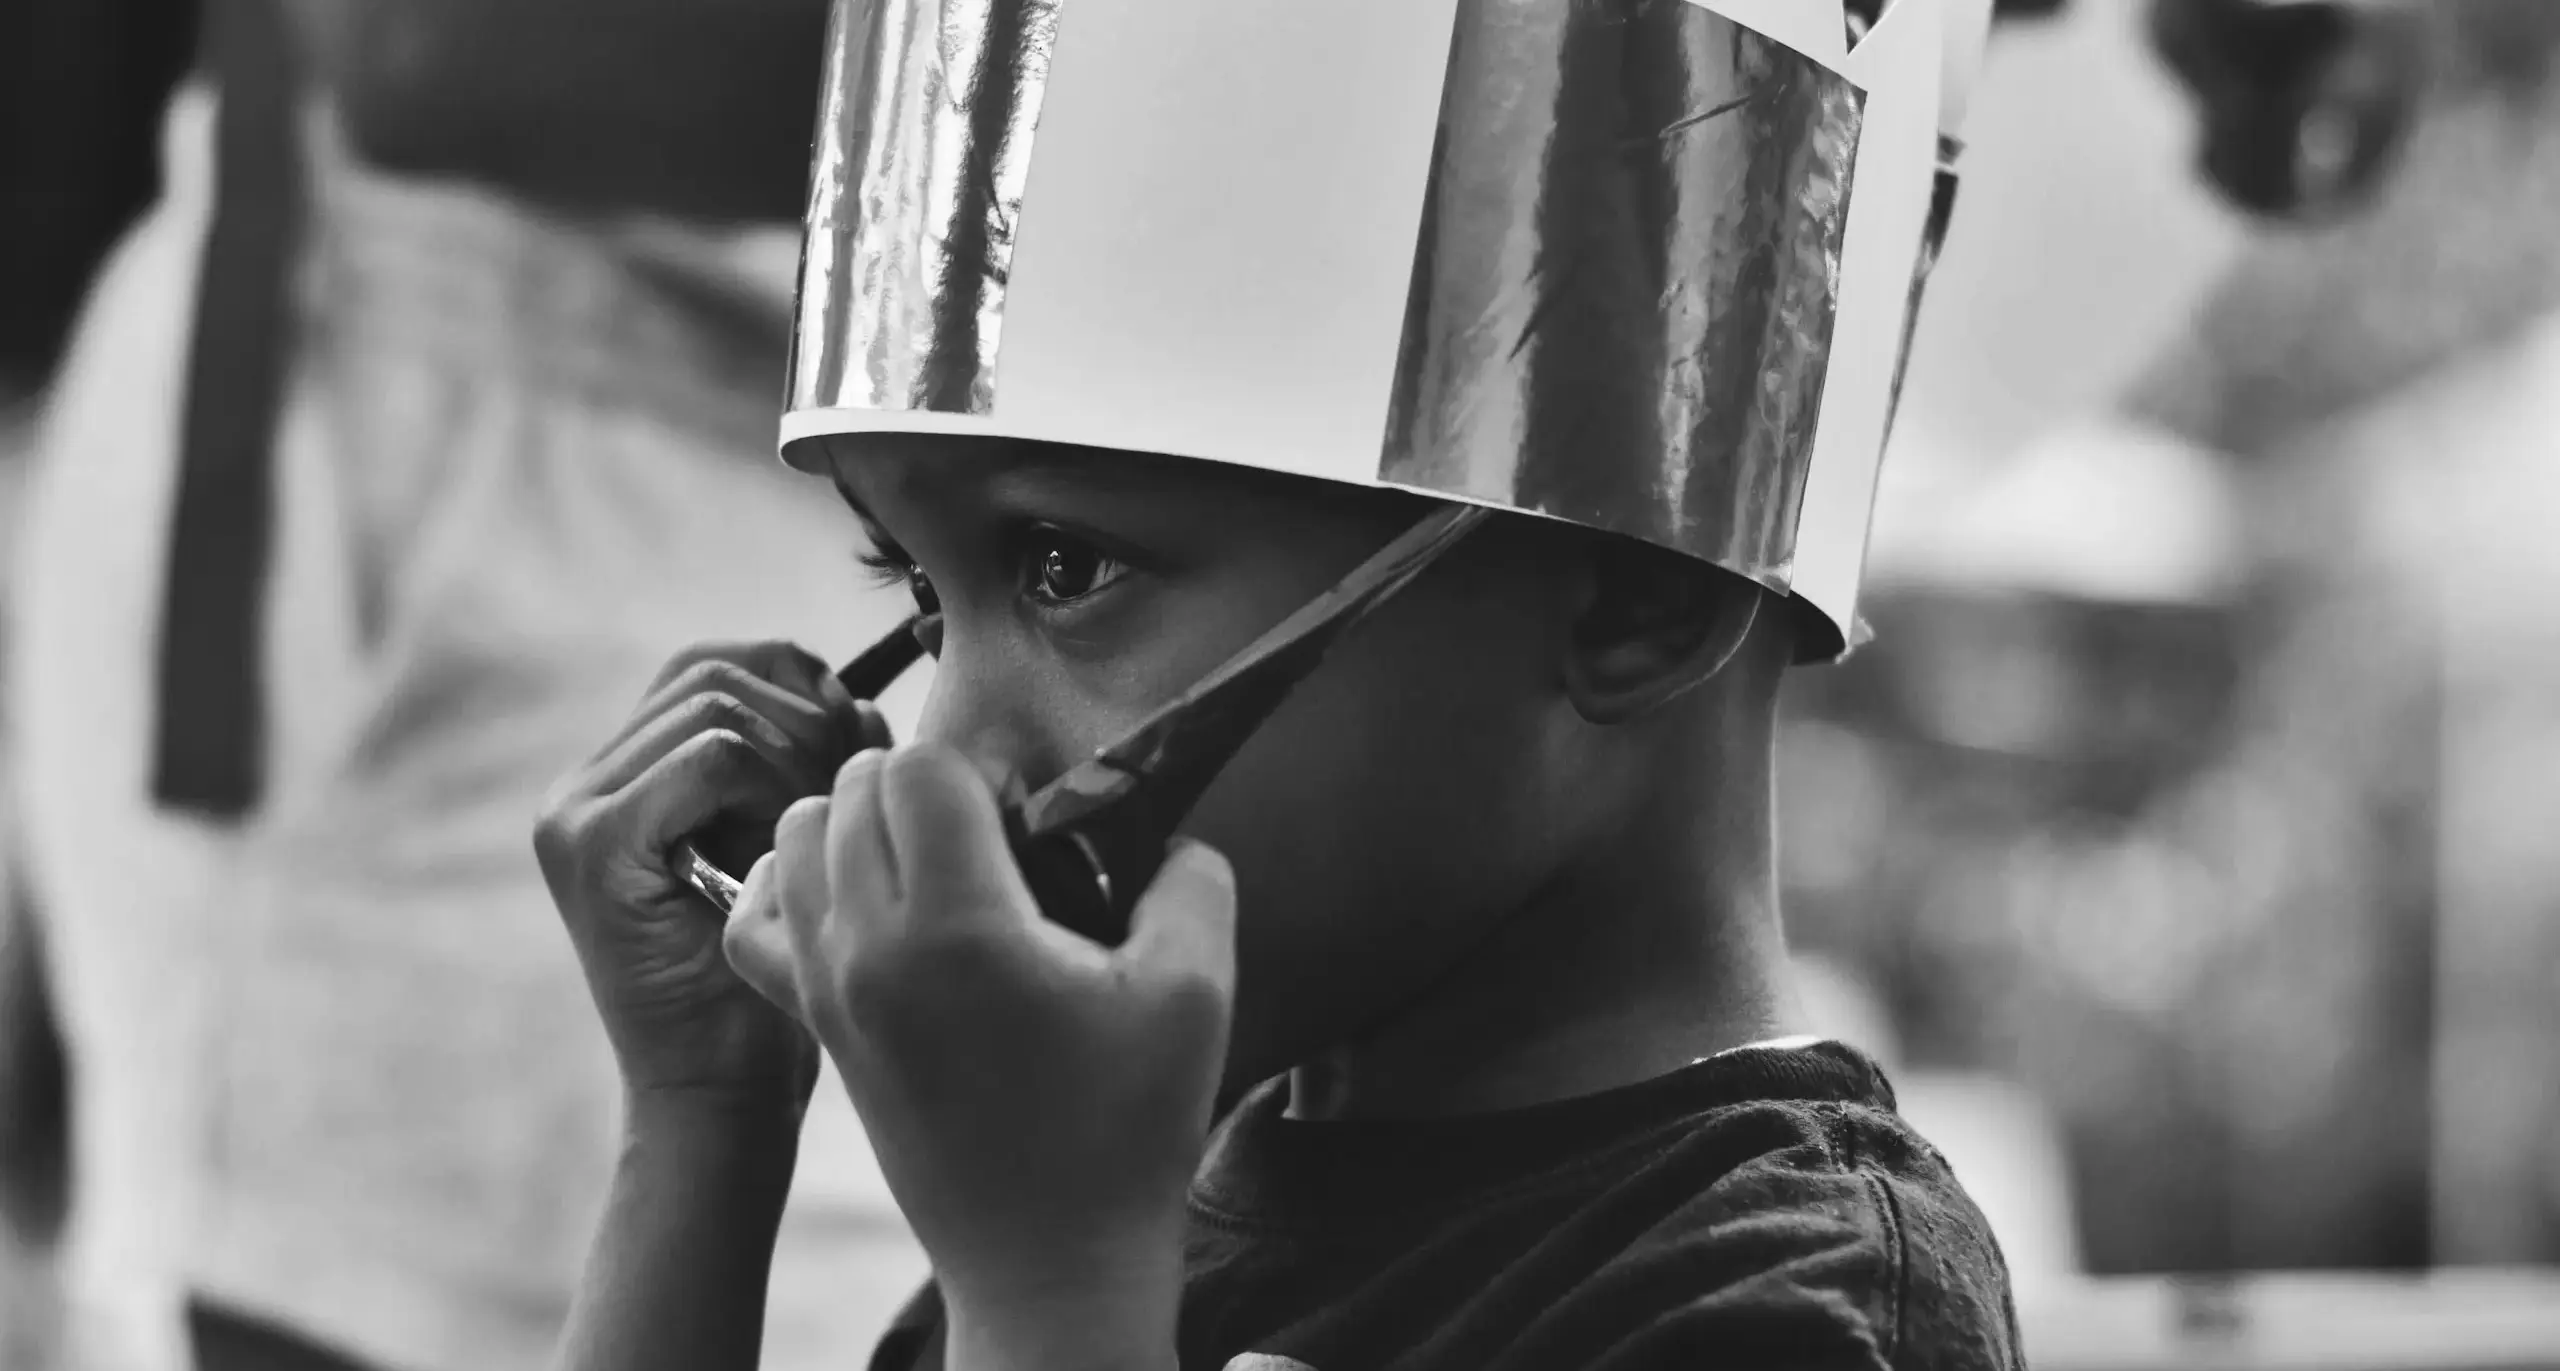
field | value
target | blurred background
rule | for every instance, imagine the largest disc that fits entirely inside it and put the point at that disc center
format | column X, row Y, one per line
column 2187, row 829
column 2187, row 841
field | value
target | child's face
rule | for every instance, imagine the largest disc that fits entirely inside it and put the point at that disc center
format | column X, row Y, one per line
column 1382, row 819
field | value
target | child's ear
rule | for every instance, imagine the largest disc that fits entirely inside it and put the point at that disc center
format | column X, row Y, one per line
column 1651, row 626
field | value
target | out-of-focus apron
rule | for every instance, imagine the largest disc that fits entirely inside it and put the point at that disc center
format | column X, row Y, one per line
column 337, row 1066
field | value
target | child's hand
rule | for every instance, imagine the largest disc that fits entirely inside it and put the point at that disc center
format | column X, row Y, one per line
column 1038, row 1101
column 728, row 735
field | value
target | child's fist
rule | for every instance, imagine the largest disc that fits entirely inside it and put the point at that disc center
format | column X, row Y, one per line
column 1038, row 1101
column 728, row 736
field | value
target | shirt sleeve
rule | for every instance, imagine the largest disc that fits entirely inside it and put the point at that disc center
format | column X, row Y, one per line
column 1785, row 1270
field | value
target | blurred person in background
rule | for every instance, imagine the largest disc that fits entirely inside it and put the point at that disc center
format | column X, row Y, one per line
column 429, row 403
column 2205, row 786
column 78, row 102
column 2386, row 376
column 2220, row 806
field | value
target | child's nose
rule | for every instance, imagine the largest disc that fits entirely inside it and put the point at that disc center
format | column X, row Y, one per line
column 979, row 720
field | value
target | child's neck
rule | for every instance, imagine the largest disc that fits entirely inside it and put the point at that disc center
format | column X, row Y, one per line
column 1636, row 960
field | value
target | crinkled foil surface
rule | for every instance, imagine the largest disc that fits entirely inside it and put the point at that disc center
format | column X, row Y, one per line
column 924, row 145
column 1628, row 272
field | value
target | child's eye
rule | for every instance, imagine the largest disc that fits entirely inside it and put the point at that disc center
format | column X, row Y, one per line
column 1061, row 568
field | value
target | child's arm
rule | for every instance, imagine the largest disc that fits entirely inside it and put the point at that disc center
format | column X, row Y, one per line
column 677, row 1275
column 714, row 1076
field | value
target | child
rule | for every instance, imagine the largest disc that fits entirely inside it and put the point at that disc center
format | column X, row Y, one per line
column 1481, row 924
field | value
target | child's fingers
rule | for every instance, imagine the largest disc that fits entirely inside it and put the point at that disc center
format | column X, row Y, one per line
column 757, row 940
column 775, row 662
column 1185, row 925
column 770, row 937
column 771, row 658
column 863, row 880
column 800, row 856
column 948, row 836
column 707, row 776
column 871, row 727
column 787, row 730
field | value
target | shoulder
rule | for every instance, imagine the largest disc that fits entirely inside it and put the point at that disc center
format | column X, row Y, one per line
column 1802, row 1234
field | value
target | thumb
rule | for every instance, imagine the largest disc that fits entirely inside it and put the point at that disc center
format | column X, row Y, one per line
column 757, row 941
column 1186, row 922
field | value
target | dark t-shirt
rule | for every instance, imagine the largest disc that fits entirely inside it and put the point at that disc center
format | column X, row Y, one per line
column 1764, row 1208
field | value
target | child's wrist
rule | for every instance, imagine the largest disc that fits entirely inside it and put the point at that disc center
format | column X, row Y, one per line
column 715, row 1125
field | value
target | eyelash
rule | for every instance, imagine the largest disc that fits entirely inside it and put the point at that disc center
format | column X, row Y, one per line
column 884, row 567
